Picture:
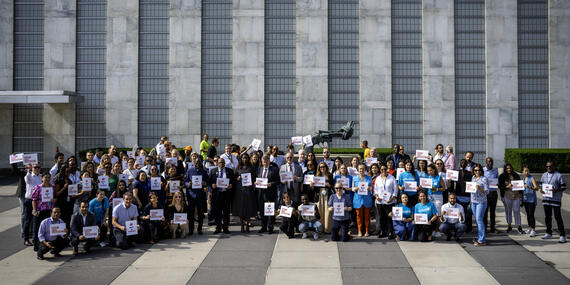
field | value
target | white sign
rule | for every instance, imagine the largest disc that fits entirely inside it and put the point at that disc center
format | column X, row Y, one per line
column 297, row 140
column 352, row 171
column 452, row 213
column 371, row 160
column 222, row 182
column 125, row 164
column 16, row 157
column 72, row 189
column 422, row 154
column 421, row 219
column 196, row 181
column 140, row 160
column 269, row 208
column 156, row 214
column 91, row 232
column 308, row 210
column 161, row 149
column 410, row 186
column 131, row 154
column 246, row 179
column 31, row 158
column 47, row 194
column 57, row 229
column 255, row 144
column 308, row 140
column 397, row 213
column 172, row 161
column 286, row 176
column 338, row 209
column 124, row 177
column 100, row 171
column 329, row 164
column 319, row 181
column 131, row 227
column 344, row 181
column 103, row 182
column 547, row 189
column 399, row 171
column 117, row 202
column 155, row 183
column 493, row 183
column 308, row 179
column 261, row 183
column 362, row 188
column 426, row 183
column 180, row 218
column 518, row 185
column 452, row 175
column 174, row 186
column 83, row 165
column 285, row 211
column 471, row 187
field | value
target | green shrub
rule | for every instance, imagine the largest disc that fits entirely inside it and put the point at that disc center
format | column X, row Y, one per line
column 381, row 152
column 82, row 153
column 536, row 158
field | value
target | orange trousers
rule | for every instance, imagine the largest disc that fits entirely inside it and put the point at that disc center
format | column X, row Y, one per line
column 363, row 219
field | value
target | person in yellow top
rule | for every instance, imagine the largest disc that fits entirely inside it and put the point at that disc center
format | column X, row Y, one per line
column 364, row 145
column 204, row 146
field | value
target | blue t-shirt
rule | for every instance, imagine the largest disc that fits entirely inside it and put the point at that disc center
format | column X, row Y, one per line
column 529, row 195
column 407, row 212
column 362, row 200
column 408, row 177
column 422, row 174
column 98, row 209
column 435, row 184
column 429, row 209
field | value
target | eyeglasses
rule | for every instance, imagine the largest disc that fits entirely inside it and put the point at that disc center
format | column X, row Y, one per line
column 37, row 166
column 549, row 166
column 383, row 169
column 322, row 166
column 438, row 163
column 108, row 166
column 477, row 170
column 338, row 188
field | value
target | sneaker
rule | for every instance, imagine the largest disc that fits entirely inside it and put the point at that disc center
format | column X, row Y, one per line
column 528, row 231
column 520, row 230
column 102, row 244
column 547, row 236
column 437, row 234
column 562, row 239
column 304, row 235
column 532, row 233
column 316, row 236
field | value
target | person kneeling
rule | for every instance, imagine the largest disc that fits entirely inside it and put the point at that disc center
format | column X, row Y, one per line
column 340, row 205
column 309, row 218
column 288, row 224
column 125, row 222
column 79, row 221
column 48, row 242
column 452, row 218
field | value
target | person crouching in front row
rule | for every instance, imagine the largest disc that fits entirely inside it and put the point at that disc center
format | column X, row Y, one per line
column 309, row 222
column 123, row 213
column 81, row 219
column 47, row 242
column 340, row 221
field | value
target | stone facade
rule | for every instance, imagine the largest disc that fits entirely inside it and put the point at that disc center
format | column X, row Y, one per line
column 6, row 77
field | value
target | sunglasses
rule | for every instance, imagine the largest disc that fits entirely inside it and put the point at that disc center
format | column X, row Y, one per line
column 338, row 188
column 37, row 167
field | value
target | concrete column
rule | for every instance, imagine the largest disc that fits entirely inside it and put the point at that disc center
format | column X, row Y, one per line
column 502, row 77
column 558, row 46
column 312, row 66
column 248, row 57
column 59, row 74
column 375, row 72
column 438, row 73
column 122, row 72
column 6, row 77
column 185, row 72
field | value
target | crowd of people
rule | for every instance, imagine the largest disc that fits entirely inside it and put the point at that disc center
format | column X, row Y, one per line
column 134, row 196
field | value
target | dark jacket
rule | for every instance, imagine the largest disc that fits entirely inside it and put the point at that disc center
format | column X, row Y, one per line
column 77, row 223
column 269, row 194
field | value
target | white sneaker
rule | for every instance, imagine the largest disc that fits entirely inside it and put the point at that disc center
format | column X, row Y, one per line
column 532, row 233
column 304, row 235
column 528, row 231
column 316, row 236
column 562, row 239
column 437, row 234
column 547, row 236
column 102, row 244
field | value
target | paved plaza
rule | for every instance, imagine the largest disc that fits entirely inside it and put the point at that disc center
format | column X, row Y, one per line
column 274, row 259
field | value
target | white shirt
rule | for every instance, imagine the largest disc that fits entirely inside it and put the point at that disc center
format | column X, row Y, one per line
column 75, row 177
column 32, row 181
column 132, row 173
column 52, row 172
column 231, row 160
column 387, row 185
column 457, row 206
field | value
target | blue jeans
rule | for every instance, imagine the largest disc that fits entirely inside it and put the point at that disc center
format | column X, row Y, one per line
column 26, row 218
column 315, row 226
column 343, row 227
column 403, row 229
column 479, row 213
column 459, row 228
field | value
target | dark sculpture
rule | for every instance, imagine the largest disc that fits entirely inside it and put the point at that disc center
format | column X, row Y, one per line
column 345, row 132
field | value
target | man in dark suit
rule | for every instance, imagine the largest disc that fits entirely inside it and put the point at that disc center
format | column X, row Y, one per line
column 221, row 196
column 269, row 194
column 81, row 219
column 292, row 187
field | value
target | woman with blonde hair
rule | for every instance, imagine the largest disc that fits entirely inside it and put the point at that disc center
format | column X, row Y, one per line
column 322, row 196
column 178, row 206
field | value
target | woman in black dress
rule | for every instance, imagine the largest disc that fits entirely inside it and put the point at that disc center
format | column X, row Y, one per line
column 245, row 199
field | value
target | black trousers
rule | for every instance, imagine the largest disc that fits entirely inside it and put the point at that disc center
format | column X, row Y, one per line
column 155, row 230
column 222, row 201
column 548, row 219
column 529, row 208
column 88, row 242
column 196, row 205
column 42, row 215
column 58, row 245
column 423, row 231
column 492, row 198
column 288, row 226
column 383, row 221
column 122, row 240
